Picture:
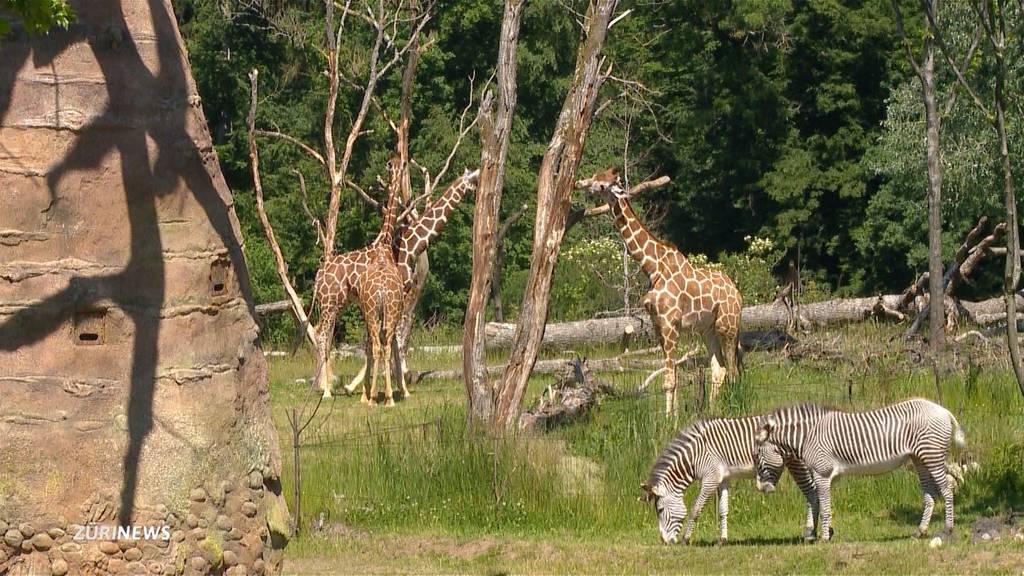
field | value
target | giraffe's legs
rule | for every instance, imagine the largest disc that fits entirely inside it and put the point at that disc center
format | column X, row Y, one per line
column 399, row 360
column 389, row 397
column 325, row 336
column 359, row 377
column 374, row 330
column 668, row 334
column 718, row 370
column 366, row 398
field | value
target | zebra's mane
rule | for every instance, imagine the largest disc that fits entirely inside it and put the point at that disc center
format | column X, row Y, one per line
column 688, row 434
column 805, row 409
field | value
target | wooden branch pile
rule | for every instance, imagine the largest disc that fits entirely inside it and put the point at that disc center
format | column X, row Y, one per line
column 976, row 247
column 571, row 398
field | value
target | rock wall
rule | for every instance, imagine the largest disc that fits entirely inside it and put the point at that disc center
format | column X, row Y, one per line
column 132, row 389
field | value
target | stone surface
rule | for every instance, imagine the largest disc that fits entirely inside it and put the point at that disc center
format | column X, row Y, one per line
column 255, row 480
column 13, row 537
column 125, row 299
column 42, row 541
column 230, row 558
column 133, row 555
column 110, row 548
column 59, row 568
column 224, row 523
column 249, row 509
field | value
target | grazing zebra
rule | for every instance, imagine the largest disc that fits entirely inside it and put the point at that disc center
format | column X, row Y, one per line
column 833, row 443
column 713, row 451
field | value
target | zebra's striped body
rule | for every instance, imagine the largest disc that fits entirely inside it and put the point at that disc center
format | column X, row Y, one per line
column 833, row 443
column 713, row 451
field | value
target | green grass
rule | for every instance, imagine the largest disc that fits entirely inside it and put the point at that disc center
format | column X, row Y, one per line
column 462, row 501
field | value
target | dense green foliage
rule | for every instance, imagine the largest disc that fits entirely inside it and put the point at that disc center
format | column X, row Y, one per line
column 798, row 121
column 35, row 15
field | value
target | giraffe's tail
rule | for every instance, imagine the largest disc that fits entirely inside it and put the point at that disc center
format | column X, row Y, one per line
column 740, row 353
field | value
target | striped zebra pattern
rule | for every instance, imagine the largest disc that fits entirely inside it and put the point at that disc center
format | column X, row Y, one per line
column 833, row 443
column 712, row 451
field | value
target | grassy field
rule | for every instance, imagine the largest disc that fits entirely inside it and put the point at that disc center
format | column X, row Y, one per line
column 410, row 489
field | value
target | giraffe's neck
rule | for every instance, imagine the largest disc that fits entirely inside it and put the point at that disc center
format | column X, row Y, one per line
column 641, row 244
column 417, row 237
column 386, row 236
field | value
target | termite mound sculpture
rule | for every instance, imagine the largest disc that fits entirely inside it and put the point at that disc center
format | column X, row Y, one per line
column 132, row 388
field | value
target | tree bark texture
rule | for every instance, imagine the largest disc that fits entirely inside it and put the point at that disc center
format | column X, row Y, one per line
column 494, row 135
column 556, row 180
column 936, row 319
column 1011, row 273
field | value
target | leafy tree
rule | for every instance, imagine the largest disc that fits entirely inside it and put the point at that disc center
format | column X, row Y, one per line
column 36, row 16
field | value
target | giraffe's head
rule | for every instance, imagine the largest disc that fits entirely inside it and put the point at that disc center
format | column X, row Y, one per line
column 607, row 185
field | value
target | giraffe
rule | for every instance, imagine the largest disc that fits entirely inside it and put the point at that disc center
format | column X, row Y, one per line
column 412, row 241
column 681, row 295
column 338, row 279
column 380, row 299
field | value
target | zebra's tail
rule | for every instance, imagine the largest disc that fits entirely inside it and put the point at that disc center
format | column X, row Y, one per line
column 958, row 433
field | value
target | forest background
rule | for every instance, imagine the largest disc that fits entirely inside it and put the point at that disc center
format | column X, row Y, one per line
column 792, row 130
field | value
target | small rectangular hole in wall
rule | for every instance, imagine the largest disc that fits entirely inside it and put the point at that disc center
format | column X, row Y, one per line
column 219, row 277
column 90, row 327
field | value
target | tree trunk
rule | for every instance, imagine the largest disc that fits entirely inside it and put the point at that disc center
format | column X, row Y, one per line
column 936, row 320
column 556, row 180
column 494, row 137
column 1011, row 273
column 412, row 295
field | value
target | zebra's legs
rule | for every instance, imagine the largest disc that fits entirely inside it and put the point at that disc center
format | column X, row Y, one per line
column 824, row 484
column 707, row 488
column 723, row 512
column 802, row 476
column 934, row 483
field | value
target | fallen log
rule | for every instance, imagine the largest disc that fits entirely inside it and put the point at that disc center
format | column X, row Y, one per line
column 605, row 331
column 620, row 363
column 571, row 398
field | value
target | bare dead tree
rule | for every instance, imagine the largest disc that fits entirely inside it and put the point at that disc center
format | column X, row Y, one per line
column 556, row 180
column 387, row 20
column 495, row 130
column 991, row 18
column 925, row 71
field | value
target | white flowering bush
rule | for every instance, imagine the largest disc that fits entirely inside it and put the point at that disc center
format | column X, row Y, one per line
column 751, row 270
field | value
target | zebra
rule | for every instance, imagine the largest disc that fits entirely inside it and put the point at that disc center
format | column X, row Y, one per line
column 713, row 451
column 833, row 443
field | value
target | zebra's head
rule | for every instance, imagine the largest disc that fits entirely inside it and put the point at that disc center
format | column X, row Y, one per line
column 768, row 458
column 671, row 510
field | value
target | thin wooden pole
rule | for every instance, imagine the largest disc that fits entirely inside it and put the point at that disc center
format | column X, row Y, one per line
column 296, row 462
